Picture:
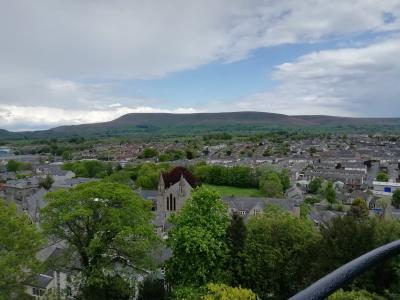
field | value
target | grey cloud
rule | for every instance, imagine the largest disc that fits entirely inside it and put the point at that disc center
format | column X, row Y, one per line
column 352, row 81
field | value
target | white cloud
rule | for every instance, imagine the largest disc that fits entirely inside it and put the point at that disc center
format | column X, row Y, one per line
column 62, row 54
column 42, row 117
column 351, row 81
column 133, row 39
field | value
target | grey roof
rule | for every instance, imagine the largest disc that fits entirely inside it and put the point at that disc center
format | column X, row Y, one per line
column 34, row 203
column 148, row 194
column 72, row 182
column 248, row 203
column 23, row 183
column 41, row 281
column 323, row 216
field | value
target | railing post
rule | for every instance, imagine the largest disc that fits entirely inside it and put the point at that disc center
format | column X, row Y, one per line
column 340, row 277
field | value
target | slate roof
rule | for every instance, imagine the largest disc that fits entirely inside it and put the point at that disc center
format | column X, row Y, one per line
column 35, row 202
column 248, row 203
column 148, row 194
column 41, row 281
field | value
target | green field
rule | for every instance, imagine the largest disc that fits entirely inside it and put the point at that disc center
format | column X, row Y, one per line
column 235, row 191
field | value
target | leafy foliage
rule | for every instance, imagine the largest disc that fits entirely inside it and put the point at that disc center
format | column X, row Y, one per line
column 236, row 239
column 198, row 240
column 147, row 175
column 89, row 168
column 330, row 193
column 19, row 242
column 359, row 209
column 237, row 176
column 355, row 295
column 279, row 248
column 382, row 176
column 315, row 185
column 214, row 292
column 46, row 182
column 14, row 166
column 224, row 292
column 346, row 238
column 396, row 199
column 150, row 152
column 105, row 224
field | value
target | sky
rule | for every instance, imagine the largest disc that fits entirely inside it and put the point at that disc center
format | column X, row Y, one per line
column 71, row 62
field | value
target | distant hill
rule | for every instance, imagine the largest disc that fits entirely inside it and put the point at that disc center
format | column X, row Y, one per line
column 201, row 123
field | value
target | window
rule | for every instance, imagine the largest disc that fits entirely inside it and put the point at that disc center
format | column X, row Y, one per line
column 35, row 291
column 256, row 212
column 174, row 204
column 242, row 212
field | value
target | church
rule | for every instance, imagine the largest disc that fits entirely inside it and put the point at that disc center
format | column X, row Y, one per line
column 174, row 188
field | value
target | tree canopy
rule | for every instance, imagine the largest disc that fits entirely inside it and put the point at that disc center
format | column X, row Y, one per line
column 396, row 199
column 197, row 240
column 278, row 249
column 105, row 224
column 19, row 242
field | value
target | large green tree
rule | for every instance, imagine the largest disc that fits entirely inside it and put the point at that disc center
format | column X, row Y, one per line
column 271, row 185
column 330, row 193
column 197, row 240
column 278, row 250
column 396, row 199
column 315, row 185
column 236, row 240
column 108, row 227
column 19, row 242
column 346, row 238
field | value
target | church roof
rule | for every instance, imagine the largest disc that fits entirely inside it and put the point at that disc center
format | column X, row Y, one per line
column 175, row 175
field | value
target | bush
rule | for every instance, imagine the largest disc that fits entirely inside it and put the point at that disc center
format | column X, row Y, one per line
column 150, row 152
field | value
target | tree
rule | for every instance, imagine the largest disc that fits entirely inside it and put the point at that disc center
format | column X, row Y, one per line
column 285, row 179
column 359, row 209
column 396, row 199
column 19, row 242
column 150, row 152
column 272, row 186
column 382, row 176
column 312, row 150
column 12, row 166
column 355, row 295
column 236, row 238
column 278, row 249
column 224, row 292
column 330, row 193
column 46, row 182
column 315, row 185
column 66, row 155
column 346, row 238
column 197, row 240
column 106, row 225
column 214, row 292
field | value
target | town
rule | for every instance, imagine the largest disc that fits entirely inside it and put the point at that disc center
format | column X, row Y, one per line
column 317, row 177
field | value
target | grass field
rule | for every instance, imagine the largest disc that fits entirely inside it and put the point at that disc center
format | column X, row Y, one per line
column 230, row 190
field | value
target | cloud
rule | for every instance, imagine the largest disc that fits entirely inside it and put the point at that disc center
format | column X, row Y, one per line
column 352, row 82
column 42, row 117
column 132, row 39
column 70, row 55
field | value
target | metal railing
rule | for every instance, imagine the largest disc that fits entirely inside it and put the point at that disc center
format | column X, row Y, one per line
column 340, row 277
